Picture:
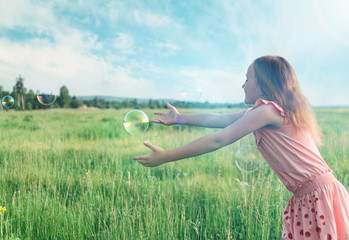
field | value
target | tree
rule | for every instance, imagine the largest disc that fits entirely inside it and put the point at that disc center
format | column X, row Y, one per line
column 95, row 102
column 64, row 98
column 116, row 104
column 19, row 91
column 30, row 100
column 151, row 104
column 76, row 103
column 134, row 103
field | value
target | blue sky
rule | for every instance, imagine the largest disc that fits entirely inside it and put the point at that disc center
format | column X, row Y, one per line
column 190, row 50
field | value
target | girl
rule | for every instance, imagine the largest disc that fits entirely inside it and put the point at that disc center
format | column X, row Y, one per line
column 286, row 134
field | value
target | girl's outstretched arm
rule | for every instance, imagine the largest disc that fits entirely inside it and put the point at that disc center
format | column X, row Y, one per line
column 265, row 115
column 210, row 120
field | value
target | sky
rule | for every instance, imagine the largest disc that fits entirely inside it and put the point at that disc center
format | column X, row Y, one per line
column 161, row 49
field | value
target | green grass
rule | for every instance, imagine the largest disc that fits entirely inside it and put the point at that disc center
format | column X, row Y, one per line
column 70, row 175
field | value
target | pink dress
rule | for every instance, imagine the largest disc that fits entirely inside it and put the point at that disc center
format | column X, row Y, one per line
column 319, row 207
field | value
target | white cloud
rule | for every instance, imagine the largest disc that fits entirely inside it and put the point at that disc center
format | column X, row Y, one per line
column 118, row 81
column 48, row 68
column 25, row 13
column 124, row 43
column 150, row 19
column 166, row 49
column 44, row 66
column 169, row 46
column 217, row 85
column 69, row 60
column 115, row 11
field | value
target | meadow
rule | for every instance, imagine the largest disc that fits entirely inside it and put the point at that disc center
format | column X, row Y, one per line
column 69, row 174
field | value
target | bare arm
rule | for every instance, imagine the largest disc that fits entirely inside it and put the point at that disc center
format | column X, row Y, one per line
column 255, row 119
column 210, row 120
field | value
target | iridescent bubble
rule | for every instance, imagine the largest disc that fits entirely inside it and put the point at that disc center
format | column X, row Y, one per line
column 46, row 98
column 192, row 94
column 334, row 23
column 248, row 159
column 8, row 101
column 136, row 122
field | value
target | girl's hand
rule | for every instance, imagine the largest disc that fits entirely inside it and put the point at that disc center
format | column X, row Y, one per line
column 153, row 159
column 168, row 118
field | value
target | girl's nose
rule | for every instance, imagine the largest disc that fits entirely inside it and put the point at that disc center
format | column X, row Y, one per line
column 243, row 85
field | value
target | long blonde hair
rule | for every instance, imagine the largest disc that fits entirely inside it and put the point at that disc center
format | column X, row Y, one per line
column 278, row 83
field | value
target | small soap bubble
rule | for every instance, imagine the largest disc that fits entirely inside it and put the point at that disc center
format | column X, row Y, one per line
column 191, row 94
column 46, row 98
column 248, row 159
column 8, row 101
column 136, row 122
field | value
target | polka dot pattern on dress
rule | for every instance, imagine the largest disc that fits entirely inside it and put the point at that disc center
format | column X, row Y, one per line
column 307, row 222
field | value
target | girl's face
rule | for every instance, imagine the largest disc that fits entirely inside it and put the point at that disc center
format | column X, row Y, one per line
column 251, row 88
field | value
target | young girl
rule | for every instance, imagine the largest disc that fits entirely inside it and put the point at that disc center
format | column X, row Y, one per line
column 286, row 134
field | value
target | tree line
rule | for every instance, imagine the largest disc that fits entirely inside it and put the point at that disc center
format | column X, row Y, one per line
column 27, row 100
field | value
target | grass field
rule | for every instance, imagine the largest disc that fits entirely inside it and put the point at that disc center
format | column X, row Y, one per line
column 70, row 175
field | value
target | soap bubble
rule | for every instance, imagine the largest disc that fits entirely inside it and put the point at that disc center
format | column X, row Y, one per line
column 8, row 101
column 46, row 98
column 192, row 94
column 136, row 122
column 333, row 23
column 248, row 159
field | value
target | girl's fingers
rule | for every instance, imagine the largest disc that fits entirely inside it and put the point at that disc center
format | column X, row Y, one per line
column 149, row 145
column 159, row 113
column 169, row 106
column 145, row 158
column 158, row 120
column 140, row 158
column 155, row 120
column 163, row 122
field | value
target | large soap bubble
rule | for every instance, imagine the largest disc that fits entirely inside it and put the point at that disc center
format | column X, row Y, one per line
column 248, row 159
column 136, row 122
column 46, row 98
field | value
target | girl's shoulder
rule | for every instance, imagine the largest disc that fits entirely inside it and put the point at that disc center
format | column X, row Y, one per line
column 261, row 102
column 275, row 111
